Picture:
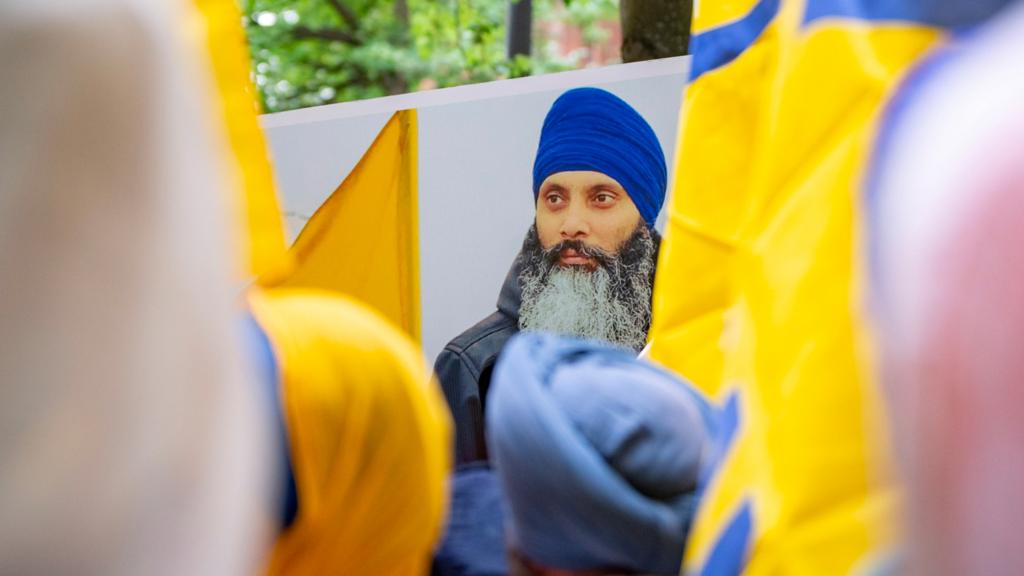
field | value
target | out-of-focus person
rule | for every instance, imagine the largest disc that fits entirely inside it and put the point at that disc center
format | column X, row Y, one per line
column 132, row 441
column 368, row 433
column 597, row 456
column 948, row 207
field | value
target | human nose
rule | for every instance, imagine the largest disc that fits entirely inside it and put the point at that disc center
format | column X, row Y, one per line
column 575, row 224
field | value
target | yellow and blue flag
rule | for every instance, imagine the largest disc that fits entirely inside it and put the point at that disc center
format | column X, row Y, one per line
column 758, row 299
column 363, row 241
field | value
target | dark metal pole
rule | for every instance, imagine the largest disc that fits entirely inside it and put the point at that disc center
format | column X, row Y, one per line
column 520, row 27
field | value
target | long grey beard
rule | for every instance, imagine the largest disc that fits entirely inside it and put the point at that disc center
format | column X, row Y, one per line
column 611, row 303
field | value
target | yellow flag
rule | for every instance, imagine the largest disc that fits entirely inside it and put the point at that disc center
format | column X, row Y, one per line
column 758, row 298
column 255, row 201
column 364, row 240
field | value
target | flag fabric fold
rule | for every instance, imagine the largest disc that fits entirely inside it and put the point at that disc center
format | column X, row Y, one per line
column 363, row 241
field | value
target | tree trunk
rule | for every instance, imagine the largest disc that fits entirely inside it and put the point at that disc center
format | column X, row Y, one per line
column 397, row 83
column 654, row 28
column 402, row 14
column 520, row 27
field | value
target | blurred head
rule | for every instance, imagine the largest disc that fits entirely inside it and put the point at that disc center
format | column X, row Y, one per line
column 597, row 455
column 369, row 438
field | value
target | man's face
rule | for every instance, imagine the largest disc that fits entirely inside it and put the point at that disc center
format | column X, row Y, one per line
column 589, row 207
column 578, row 289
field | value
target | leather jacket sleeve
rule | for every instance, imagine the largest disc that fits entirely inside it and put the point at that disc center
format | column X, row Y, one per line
column 461, row 389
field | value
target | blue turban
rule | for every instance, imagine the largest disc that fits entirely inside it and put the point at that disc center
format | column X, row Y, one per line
column 597, row 455
column 591, row 129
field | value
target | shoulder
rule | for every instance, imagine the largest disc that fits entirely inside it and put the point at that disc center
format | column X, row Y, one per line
column 479, row 344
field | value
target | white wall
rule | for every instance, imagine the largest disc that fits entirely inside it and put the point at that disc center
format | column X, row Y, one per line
column 475, row 171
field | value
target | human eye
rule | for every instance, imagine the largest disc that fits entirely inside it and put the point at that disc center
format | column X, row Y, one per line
column 604, row 198
column 553, row 199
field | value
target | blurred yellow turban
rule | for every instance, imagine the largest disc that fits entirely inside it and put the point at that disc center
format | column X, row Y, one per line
column 369, row 438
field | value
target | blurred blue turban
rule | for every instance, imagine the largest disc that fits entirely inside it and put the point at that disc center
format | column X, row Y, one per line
column 597, row 454
column 591, row 129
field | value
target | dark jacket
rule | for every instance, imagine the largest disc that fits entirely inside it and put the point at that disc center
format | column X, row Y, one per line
column 464, row 369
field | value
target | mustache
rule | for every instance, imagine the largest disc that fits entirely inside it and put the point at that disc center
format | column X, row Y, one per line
column 600, row 256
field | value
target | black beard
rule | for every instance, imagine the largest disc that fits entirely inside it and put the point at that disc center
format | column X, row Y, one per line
column 625, row 280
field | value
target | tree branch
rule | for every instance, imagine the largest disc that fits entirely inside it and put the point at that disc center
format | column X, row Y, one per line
column 347, row 14
column 329, row 34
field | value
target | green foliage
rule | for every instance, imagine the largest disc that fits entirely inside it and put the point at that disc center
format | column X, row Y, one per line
column 582, row 13
column 311, row 52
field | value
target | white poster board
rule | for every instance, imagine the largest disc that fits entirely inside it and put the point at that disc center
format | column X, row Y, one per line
column 476, row 149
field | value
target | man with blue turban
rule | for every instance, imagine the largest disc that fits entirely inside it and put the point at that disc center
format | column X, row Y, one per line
column 586, row 268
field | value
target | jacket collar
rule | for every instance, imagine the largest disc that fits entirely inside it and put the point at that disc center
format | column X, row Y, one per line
column 511, row 295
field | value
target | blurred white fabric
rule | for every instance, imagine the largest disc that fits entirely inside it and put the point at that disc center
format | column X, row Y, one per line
column 131, row 439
